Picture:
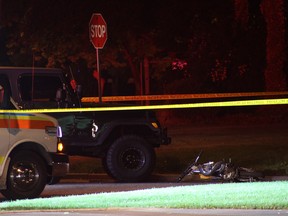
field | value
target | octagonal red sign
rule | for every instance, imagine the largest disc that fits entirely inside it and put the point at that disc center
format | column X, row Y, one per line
column 98, row 31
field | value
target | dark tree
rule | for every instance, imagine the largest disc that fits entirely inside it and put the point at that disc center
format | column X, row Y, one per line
column 264, row 23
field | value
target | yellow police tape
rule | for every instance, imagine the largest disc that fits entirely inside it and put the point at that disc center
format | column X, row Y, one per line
column 180, row 96
column 259, row 102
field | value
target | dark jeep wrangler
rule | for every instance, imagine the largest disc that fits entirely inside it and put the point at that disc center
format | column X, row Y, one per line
column 125, row 140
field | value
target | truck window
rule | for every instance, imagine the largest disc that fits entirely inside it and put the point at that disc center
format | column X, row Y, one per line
column 44, row 87
column 5, row 93
column 1, row 96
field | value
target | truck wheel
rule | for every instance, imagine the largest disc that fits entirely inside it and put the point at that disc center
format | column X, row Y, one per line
column 130, row 159
column 26, row 177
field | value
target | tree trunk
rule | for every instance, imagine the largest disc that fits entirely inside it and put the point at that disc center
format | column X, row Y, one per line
column 1, row 12
column 241, row 12
column 273, row 11
column 250, row 45
column 135, row 72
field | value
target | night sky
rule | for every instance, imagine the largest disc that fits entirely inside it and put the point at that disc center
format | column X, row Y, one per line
column 223, row 44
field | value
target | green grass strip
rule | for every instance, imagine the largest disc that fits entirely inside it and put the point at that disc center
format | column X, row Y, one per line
column 258, row 195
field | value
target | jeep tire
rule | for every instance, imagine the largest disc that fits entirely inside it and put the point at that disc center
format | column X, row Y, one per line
column 130, row 159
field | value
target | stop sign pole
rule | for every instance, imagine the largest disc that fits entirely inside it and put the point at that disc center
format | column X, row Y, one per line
column 98, row 37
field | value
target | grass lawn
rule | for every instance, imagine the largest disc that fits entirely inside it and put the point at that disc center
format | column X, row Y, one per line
column 257, row 195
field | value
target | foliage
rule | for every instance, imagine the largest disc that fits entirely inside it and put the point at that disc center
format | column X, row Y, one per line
column 224, row 51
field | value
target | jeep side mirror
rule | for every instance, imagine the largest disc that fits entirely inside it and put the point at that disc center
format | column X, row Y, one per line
column 60, row 95
column 79, row 91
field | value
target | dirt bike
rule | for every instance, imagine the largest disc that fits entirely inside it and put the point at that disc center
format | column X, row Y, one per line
column 225, row 171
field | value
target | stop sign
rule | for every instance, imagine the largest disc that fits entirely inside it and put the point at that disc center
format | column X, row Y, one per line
column 97, row 31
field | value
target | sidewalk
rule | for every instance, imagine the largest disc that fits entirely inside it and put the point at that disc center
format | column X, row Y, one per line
column 150, row 212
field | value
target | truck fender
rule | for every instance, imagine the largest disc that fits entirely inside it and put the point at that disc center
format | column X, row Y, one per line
column 3, row 177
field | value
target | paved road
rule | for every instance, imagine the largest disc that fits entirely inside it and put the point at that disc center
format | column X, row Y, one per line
column 78, row 187
column 87, row 188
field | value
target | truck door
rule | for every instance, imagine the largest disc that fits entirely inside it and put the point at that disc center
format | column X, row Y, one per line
column 4, row 123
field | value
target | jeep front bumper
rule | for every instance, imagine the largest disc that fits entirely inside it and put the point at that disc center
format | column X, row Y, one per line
column 165, row 139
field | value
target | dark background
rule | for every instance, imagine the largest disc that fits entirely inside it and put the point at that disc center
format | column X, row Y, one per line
column 190, row 46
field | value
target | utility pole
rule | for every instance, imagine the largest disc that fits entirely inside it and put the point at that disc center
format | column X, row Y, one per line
column 1, row 13
column 147, row 78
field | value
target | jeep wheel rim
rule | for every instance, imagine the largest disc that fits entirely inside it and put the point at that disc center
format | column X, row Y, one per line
column 133, row 159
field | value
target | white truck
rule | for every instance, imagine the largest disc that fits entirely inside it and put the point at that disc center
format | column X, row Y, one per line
column 30, row 149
